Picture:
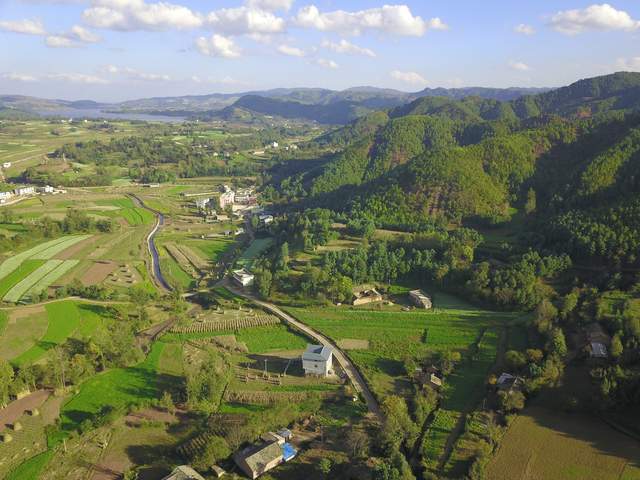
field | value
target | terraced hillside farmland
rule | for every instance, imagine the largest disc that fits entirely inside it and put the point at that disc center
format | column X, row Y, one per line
column 125, row 208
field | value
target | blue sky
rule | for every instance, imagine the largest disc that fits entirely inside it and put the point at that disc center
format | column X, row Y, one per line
column 122, row 49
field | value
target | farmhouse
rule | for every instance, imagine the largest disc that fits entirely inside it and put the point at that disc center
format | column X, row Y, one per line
column 6, row 165
column 201, row 203
column 25, row 191
column 420, row 299
column 227, row 198
column 317, row 360
column 258, row 459
column 598, row 350
column 265, row 219
column 46, row 189
column 184, row 472
column 243, row 277
column 367, row 296
column 509, row 383
column 5, row 195
column 245, row 196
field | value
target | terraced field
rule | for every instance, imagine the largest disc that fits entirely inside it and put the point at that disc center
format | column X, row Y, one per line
column 133, row 215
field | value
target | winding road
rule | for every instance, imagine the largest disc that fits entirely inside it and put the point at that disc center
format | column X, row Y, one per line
column 343, row 360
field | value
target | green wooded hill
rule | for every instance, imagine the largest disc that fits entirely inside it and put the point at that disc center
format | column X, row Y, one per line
column 572, row 162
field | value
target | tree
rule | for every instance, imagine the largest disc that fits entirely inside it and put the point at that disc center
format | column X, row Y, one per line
column 166, row 402
column 530, row 204
column 264, row 282
column 324, row 465
column 358, row 442
column 558, row 344
column 511, row 401
column 515, row 360
column 544, row 315
column 215, row 450
column 616, row 347
column 283, row 257
column 6, row 378
column 398, row 427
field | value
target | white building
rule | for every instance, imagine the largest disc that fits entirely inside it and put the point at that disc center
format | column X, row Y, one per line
column 265, row 219
column 227, row 198
column 46, row 189
column 243, row 277
column 25, row 190
column 5, row 195
column 201, row 203
column 6, row 165
column 274, row 145
column 420, row 299
column 317, row 360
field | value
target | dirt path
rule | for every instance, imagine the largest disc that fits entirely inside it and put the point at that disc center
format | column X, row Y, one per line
column 17, row 408
column 349, row 368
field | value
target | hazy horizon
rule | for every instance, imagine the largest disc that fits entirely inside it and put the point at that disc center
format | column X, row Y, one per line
column 115, row 50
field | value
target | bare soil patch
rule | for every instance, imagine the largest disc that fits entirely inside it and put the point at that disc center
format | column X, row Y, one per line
column 21, row 313
column 17, row 408
column 98, row 272
column 72, row 251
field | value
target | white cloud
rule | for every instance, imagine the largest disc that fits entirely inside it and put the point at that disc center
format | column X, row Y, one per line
column 628, row 64
column 26, row 27
column 245, row 20
column 343, row 46
column 84, row 35
column 270, row 5
column 390, row 19
column 60, row 41
column 19, row 77
column 129, row 15
column 323, row 62
column 217, row 46
column 595, row 17
column 77, row 78
column 524, row 29
column 291, row 51
column 519, row 66
column 412, row 78
column 133, row 74
column 227, row 80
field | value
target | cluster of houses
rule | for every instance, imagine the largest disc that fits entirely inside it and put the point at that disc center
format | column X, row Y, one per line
column 273, row 449
column 237, row 200
column 28, row 191
column 371, row 295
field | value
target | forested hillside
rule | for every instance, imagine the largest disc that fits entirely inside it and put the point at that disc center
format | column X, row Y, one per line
column 568, row 160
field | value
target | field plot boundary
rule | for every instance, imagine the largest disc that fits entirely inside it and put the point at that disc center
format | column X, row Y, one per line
column 52, row 276
column 53, row 250
column 12, row 263
column 19, row 289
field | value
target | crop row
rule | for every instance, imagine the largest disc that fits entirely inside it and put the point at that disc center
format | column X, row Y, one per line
column 268, row 398
column 39, row 279
column 53, row 250
column 228, row 324
column 194, row 446
column 15, row 261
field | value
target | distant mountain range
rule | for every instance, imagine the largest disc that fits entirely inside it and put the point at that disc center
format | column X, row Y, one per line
column 315, row 104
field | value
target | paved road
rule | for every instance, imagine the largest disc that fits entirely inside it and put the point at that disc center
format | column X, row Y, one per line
column 347, row 366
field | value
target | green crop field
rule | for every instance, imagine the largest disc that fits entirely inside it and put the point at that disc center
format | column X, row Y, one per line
column 51, row 277
column 20, row 288
column 258, row 246
column 133, row 215
column 174, row 274
column 24, row 270
column 118, row 388
column 211, row 249
column 393, row 334
column 21, row 334
column 4, row 319
column 258, row 339
column 15, row 261
column 53, row 250
column 64, row 319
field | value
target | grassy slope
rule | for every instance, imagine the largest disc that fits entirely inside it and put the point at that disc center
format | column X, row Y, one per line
column 64, row 319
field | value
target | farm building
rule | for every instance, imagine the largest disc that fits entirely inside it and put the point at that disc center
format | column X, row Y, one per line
column 184, row 472
column 598, row 350
column 258, row 459
column 420, row 299
column 5, row 195
column 265, row 219
column 201, row 203
column 317, row 360
column 227, row 199
column 245, row 196
column 596, row 334
column 25, row 190
column 431, row 376
column 243, row 277
column 6, row 165
column 367, row 296
column 508, row 383
column 45, row 189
